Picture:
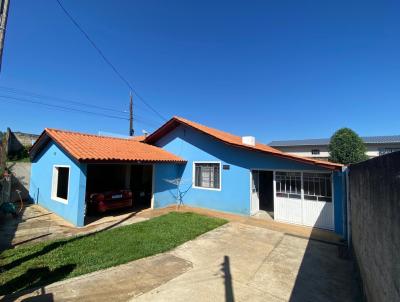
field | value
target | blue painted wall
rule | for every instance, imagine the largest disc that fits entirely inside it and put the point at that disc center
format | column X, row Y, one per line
column 340, row 205
column 234, row 196
column 41, row 184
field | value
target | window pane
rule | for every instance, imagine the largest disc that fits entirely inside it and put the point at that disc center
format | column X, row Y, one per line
column 216, row 176
column 62, row 182
column 207, row 175
column 319, row 185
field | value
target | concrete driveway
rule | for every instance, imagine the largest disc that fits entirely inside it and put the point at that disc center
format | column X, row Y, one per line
column 236, row 262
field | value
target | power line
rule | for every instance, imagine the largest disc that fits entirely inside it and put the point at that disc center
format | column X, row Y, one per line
column 112, row 66
column 61, row 107
column 37, row 95
column 27, row 93
column 6, row 98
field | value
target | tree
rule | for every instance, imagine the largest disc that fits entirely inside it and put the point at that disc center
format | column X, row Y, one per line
column 346, row 147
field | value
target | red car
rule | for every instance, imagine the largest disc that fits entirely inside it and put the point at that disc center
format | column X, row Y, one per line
column 110, row 200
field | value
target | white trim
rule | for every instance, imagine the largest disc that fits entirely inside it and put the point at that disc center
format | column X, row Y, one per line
column 251, row 193
column 54, row 182
column 302, row 196
column 274, row 189
column 153, row 181
column 194, row 174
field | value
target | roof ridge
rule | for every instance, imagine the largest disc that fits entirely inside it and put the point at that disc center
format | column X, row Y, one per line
column 224, row 132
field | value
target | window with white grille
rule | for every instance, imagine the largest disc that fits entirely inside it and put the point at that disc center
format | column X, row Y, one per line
column 317, row 186
column 207, row 175
column 288, row 184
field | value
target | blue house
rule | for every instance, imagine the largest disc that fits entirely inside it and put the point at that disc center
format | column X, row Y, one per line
column 207, row 168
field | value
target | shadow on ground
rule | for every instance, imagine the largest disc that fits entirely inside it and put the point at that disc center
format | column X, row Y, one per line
column 226, row 269
column 8, row 228
column 43, row 275
column 321, row 271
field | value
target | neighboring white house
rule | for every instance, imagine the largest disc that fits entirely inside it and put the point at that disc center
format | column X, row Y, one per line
column 318, row 148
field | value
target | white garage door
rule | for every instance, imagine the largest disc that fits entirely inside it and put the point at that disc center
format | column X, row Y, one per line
column 313, row 207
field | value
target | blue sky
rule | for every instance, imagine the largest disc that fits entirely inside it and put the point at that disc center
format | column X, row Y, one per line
column 272, row 69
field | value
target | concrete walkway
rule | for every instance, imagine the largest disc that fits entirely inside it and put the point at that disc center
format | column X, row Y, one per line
column 236, row 262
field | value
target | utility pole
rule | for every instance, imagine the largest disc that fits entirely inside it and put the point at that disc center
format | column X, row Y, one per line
column 131, row 131
column 3, row 23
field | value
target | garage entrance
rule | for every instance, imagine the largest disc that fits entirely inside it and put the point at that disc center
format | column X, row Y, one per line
column 117, row 188
column 304, row 198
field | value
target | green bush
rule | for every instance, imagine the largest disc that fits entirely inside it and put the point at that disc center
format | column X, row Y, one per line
column 346, row 147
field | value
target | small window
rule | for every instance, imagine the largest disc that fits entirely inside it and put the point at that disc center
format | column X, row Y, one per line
column 60, row 183
column 315, row 151
column 207, row 175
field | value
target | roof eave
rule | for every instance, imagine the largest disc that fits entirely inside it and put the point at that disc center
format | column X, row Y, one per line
column 173, row 122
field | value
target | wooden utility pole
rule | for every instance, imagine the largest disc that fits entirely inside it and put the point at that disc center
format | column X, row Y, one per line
column 131, row 131
column 3, row 23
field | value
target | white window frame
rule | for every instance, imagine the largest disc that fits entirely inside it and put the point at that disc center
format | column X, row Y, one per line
column 54, row 183
column 194, row 175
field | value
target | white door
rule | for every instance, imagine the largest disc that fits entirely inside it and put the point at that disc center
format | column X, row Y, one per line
column 287, row 201
column 318, row 214
column 255, row 197
column 318, row 200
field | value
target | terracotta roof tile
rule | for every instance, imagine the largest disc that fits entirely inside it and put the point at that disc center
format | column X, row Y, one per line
column 88, row 147
column 234, row 140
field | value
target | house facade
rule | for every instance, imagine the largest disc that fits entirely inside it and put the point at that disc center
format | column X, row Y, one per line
column 318, row 148
column 216, row 170
column 245, row 179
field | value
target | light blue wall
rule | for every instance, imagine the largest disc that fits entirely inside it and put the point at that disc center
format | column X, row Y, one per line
column 235, row 193
column 41, row 183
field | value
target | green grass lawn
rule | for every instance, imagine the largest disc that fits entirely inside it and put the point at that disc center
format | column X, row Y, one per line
column 51, row 261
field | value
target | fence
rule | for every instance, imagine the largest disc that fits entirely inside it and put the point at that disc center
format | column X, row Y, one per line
column 375, row 225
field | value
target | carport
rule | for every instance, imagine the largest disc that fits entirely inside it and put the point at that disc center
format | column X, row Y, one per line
column 116, row 180
column 69, row 169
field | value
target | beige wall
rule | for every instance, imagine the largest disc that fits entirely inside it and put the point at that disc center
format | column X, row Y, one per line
column 372, row 150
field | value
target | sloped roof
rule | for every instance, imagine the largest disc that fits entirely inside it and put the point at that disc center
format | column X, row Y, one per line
column 88, row 147
column 139, row 138
column 386, row 139
column 233, row 140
